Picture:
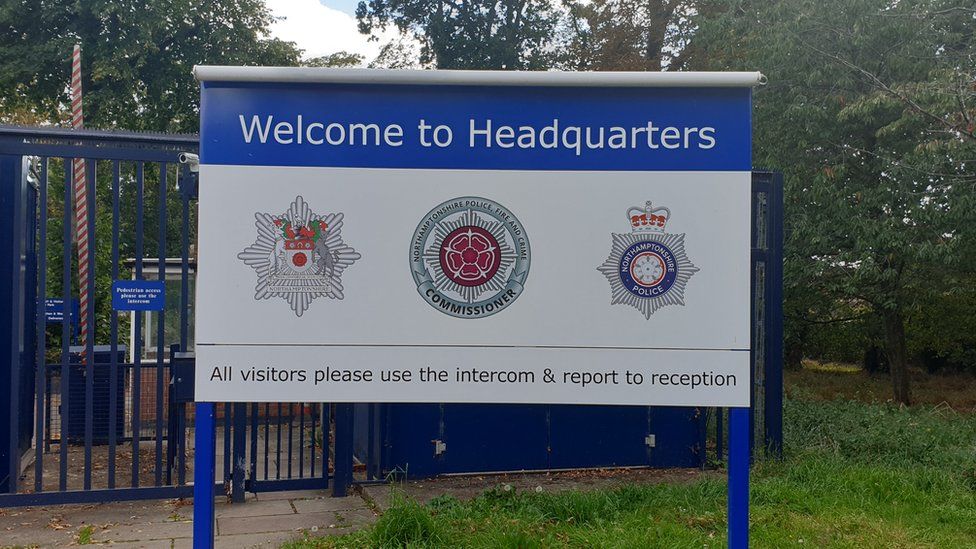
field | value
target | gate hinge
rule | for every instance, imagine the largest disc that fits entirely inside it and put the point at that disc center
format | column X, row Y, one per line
column 439, row 446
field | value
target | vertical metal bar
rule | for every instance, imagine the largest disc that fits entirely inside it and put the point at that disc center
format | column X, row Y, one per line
column 65, row 326
column 137, row 353
column 754, row 260
column 291, row 428
column 40, row 373
column 267, row 436
column 314, row 414
column 739, row 455
column 343, row 450
column 113, row 379
column 301, row 440
column 253, row 473
column 14, row 205
column 719, row 432
column 240, row 451
column 204, row 476
column 47, row 415
column 278, row 448
column 185, row 276
column 160, row 322
column 774, row 319
column 326, row 442
column 370, row 434
column 228, row 411
column 90, row 328
column 181, row 457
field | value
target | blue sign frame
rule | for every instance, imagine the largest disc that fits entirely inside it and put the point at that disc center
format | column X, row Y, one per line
column 266, row 116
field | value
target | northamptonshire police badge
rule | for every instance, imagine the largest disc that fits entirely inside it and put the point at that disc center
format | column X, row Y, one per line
column 298, row 256
column 648, row 268
column 469, row 257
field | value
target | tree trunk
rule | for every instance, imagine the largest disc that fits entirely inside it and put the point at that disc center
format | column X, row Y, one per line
column 894, row 328
column 794, row 357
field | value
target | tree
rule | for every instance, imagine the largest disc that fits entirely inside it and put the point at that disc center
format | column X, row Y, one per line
column 869, row 112
column 137, row 56
column 400, row 53
column 337, row 59
column 628, row 35
column 476, row 34
column 136, row 68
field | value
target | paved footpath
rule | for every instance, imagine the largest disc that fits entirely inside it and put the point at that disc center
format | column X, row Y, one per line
column 264, row 520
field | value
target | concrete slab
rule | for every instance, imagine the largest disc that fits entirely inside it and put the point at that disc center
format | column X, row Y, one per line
column 244, row 541
column 157, row 544
column 254, row 509
column 144, row 532
column 298, row 522
column 292, row 494
column 321, row 505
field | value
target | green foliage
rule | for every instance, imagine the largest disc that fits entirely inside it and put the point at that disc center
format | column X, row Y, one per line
column 943, row 332
column 641, row 35
column 480, row 34
column 855, row 475
column 85, row 534
column 136, row 57
column 406, row 524
column 868, row 112
column 337, row 59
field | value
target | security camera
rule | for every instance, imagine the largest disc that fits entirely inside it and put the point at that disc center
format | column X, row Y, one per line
column 192, row 160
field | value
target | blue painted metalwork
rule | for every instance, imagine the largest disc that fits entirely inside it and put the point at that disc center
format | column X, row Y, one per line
column 739, row 463
column 204, row 476
column 90, row 328
column 13, row 203
column 389, row 434
column 94, row 496
column 774, row 316
column 160, row 320
column 137, row 356
column 239, row 410
column 342, row 477
column 65, row 324
column 41, row 344
column 114, row 327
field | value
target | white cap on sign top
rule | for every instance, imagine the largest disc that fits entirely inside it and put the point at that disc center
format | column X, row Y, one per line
column 211, row 73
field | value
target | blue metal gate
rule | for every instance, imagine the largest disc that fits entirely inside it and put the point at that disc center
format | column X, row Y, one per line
column 107, row 418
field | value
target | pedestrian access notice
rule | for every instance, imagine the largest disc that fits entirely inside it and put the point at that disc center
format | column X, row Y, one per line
column 442, row 236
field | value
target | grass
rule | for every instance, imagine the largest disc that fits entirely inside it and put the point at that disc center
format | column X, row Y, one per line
column 856, row 474
column 832, row 381
column 85, row 534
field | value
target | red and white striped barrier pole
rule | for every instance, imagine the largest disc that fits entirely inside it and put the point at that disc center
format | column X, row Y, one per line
column 81, row 196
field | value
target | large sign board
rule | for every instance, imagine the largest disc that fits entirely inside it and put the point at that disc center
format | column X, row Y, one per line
column 399, row 236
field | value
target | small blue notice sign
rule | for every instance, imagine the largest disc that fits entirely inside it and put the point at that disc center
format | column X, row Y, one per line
column 54, row 310
column 138, row 295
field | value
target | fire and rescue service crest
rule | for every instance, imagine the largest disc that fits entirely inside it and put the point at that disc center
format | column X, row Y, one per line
column 469, row 257
column 648, row 268
column 298, row 255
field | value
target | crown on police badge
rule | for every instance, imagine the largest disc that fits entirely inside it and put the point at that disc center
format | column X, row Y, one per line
column 648, row 219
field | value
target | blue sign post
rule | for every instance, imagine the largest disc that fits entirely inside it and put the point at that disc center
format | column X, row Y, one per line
column 576, row 239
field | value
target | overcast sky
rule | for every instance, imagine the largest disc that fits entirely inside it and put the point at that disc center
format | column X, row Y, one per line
column 321, row 27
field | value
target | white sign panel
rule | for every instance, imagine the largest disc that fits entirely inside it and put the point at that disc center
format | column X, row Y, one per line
column 357, row 244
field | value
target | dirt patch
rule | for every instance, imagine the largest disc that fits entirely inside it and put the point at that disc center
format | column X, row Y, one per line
column 466, row 487
column 828, row 381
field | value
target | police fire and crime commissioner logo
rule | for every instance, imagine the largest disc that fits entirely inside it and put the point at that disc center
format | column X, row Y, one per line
column 648, row 268
column 298, row 255
column 470, row 257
